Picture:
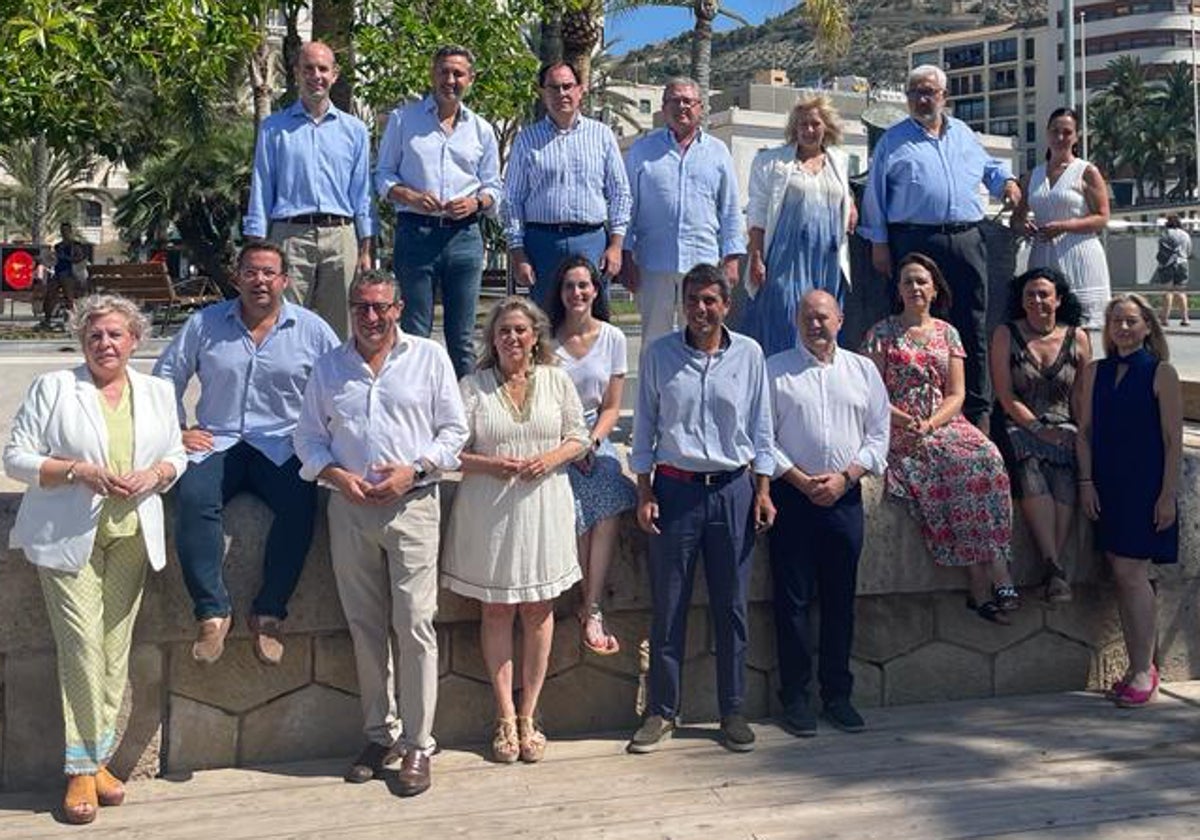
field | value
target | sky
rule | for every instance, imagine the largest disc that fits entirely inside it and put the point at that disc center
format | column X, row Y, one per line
column 649, row 25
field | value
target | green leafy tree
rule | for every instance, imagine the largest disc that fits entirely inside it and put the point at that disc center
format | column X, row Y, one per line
column 58, row 179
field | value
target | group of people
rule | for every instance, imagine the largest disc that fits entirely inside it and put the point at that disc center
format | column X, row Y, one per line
column 734, row 434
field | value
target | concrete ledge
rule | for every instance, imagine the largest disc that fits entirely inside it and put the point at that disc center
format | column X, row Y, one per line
column 915, row 643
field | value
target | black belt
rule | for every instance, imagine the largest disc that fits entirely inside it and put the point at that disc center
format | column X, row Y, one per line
column 317, row 220
column 565, row 227
column 948, row 227
column 708, row 479
column 424, row 220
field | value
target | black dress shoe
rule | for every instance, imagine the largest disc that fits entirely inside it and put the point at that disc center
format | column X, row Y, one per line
column 799, row 720
column 368, row 765
column 413, row 777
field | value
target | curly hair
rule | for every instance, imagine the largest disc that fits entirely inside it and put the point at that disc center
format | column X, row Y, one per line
column 543, row 352
column 1070, row 311
column 92, row 307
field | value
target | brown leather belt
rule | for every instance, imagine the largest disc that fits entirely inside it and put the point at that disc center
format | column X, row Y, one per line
column 708, row 479
column 317, row 220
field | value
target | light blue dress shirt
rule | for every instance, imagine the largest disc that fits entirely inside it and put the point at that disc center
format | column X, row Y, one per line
column 417, row 154
column 701, row 412
column 925, row 180
column 303, row 167
column 574, row 176
column 411, row 410
column 247, row 392
column 685, row 206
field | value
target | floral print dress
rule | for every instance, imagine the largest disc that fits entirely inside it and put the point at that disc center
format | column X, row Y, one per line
column 954, row 476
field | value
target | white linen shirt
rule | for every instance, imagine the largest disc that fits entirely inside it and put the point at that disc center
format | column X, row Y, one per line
column 828, row 416
column 353, row 418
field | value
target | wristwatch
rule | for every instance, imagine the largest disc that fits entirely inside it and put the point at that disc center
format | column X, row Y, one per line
column 850, row 480
column 70, row 476
column 421, row 473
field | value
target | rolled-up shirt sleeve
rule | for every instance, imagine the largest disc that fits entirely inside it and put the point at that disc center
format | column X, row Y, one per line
column 873, row 223
column 872, row 455
column 177, row 363
column 616, row 188
column 387, row 159
column 645, row 419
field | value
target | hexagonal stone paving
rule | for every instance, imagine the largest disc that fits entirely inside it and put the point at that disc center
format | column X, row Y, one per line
column 886, row 626
column 955, row 623
column 201, row 736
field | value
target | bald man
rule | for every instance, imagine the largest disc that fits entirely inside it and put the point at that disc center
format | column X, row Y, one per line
column 831, row 420
column 310, row 192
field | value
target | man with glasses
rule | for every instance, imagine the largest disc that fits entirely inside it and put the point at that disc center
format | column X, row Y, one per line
column 252, row 356
column 923, row 195
column 310, row 190
column 440, row 165
column 565, row 191
column 686, row 209
column 382, row 417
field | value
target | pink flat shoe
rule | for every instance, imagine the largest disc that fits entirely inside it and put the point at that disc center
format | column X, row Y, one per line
column 1134, row 698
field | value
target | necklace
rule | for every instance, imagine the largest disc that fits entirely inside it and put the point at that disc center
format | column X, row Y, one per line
column 511, row 391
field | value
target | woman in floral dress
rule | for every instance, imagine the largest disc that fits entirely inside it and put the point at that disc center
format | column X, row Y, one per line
column 952, row 475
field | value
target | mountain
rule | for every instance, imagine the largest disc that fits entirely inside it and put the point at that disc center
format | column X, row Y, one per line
column 882, row 29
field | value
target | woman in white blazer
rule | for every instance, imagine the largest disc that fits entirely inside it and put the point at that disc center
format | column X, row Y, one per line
column 800, row 214
column 96, row 445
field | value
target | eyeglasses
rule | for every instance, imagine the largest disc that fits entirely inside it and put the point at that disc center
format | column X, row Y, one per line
column 266, row 273
column 362, row 307
column 924, row 93
column 682, row 102
column 565, row 87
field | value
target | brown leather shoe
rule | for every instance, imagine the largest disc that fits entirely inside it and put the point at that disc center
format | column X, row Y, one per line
column 268, row 639
column 368, row 765
column 110, row 791
column 210, row 639
column 80, row 804
column 413, row 777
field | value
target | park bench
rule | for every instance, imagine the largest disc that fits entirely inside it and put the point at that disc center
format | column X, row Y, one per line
column 150, row 286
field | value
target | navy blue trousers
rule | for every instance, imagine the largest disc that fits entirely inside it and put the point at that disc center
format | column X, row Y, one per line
column 715, row 521
column 814, row 559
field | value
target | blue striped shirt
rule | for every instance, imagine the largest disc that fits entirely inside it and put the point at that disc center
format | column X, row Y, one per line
column 685, row 205
column 303, row 167
column 701, row 412
column 919, row 179
column 572, row 176
column 417, row 154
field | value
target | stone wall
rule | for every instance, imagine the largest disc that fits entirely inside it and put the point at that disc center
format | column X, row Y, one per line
column 916, row 642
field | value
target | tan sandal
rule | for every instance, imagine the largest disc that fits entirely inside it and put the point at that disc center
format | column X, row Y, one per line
column 80, row 803
column 505, row 748
column 532, row 740
column 110, row 791
column 602, row 643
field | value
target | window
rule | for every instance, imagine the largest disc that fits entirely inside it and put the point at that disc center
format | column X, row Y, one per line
column 644, row 106
column 1030, row 76
column 970, row 110
column 1030, row 132
column 1003, row 50
column 1029, row 50
column 927, row 57
column 1005, row 128
column 1004, row 79
column 91, row 213
column 1031, row 159
column 967, row 55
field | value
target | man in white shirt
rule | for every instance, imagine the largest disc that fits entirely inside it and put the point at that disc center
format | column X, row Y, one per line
column 382, row 416
column 831, row 419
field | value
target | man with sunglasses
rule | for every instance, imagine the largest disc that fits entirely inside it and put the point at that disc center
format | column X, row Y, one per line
column 382, row 418
column 565, row 190
column 252, row 356
column 923, row 195
column 686, row 210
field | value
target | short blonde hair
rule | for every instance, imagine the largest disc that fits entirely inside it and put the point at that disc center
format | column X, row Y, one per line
column 823, row 105
column 1156, row 341
column 92, row 307
column 543, row 352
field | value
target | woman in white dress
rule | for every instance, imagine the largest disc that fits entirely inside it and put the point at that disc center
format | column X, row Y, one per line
column 506, row 546
column 592, row 352
column 1063, row 209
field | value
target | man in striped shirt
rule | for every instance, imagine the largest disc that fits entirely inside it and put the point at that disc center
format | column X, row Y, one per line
column 565, row 190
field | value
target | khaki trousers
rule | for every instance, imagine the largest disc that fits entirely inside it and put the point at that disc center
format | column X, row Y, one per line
column 321, row 265
column 660, row 303
column 385, row 565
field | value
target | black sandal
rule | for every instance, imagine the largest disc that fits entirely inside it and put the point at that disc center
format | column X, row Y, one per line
column 988, row 611
column 1058, row 588
column 1006, row 597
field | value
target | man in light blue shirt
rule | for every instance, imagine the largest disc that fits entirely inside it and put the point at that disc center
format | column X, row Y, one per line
column 565, row 191
column 252, row 356
column 703, row 426
column 923, row 195
column 686, row 209
column 310, row 191
column 440, row 165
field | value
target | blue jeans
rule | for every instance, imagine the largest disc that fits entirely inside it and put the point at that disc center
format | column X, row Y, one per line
column 716, row 521
column 546, row 249
column 427, row 257
column 201, row 495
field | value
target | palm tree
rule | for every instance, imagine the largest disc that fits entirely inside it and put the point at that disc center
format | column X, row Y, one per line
column 48, row 184
column 1175, row 120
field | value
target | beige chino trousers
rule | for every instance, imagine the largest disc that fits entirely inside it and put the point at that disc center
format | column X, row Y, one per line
column 321, row 265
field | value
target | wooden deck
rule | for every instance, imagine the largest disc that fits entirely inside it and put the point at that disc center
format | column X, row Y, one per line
column 1049, row 766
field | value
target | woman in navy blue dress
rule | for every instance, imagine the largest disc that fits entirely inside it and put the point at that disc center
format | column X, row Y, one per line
column 1129, row 448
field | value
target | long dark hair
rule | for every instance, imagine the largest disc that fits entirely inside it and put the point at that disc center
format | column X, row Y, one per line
column 1070, row 311
column 1064, row 112
column 554, row 304
column 940, row 306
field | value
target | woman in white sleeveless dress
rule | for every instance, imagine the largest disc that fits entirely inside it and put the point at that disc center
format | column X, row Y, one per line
column 1063, row 209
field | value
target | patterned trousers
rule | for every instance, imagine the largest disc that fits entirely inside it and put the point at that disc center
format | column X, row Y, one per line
column 92, row 615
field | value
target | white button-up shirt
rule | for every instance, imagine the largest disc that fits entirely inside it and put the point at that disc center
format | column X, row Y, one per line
column 353, row 418
column 828, row 416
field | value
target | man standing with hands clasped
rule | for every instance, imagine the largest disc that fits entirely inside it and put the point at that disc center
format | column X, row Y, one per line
column 703, row 455
column 831, row 418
